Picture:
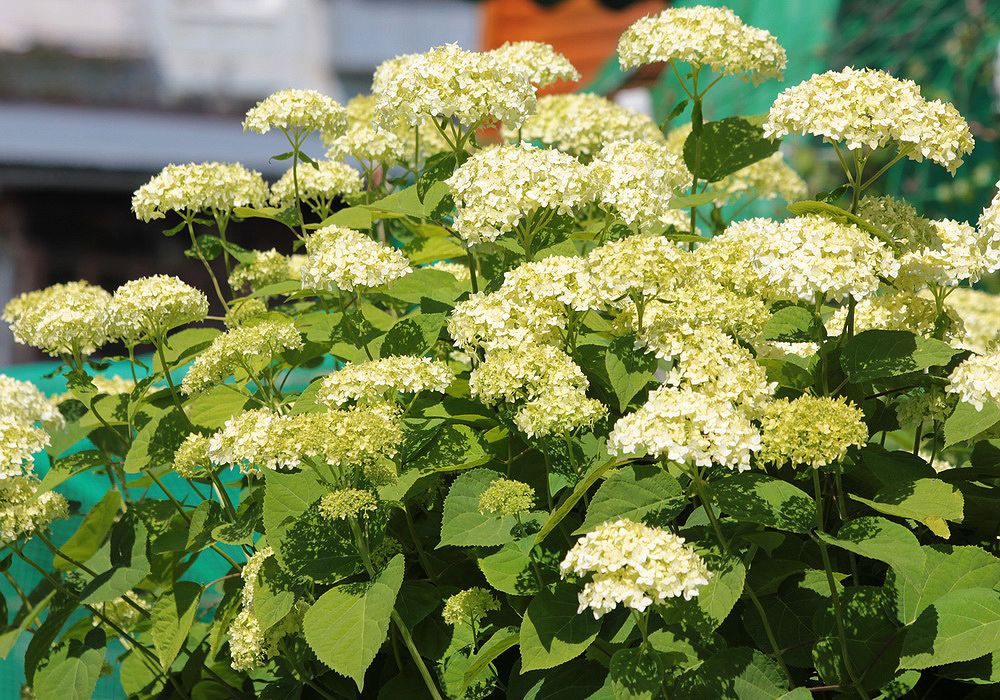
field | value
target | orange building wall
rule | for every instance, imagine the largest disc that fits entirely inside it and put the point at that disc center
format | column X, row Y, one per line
column 584, row 30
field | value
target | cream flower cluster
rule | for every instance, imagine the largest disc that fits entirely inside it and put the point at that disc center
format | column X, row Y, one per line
column 191, row 458
column 61, row 319
column 343, row 259
column 498, row 188
column 24, row 401
column 25, row 508
column 506, row 497
column 342, row 504
column 199, row 187
column 811, row 430
column 687, row 427
column 459, row 271
column 469, row 606
column 696, row 299
column 557, row 278
column 898, row 311
column 19, row 441
column 247, row 348
column 989, row 230
column 582, row 123
column 635, row 266
column 267, row 267
column 262, row 438
column 148, row 307
column 378, row 378
column 242, row 311
column 362, row 139
column 870, row 108
column 248, row 645
column 500, row 320
column 703, row 36
column 636, row 180
column 980, row 318
column 550, row 387
column 977, row 380
column 448, row 82
column 634, row 565
column 296, row 111
column 541, row 64
column 318, row 185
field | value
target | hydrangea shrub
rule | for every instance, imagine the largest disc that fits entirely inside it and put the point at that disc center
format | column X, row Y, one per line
column 543, row 418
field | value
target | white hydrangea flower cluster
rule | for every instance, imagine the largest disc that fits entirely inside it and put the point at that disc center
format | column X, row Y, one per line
column 730, row 258
column 896, row 311
column 296, row 111
column 344, row 259
column 262, row 438
column 813, row 255
column 23, row 400
column 364, row 140
column 25, row 508
column 499, row 320
column 506, row 497
column 989, row 230
column 448, row 82
column 199, row 187
column 811, row 430
column 980, row 318
column 582, row 123
column 703, row 36
column 146, row 308
column 959, row 254
column 247, row 348
column 636, row 180
column 687, row 427
column 977, row 380
column 560, row 278
column 267, row 267
column 341, row 504
column 248, row 645
column 635, row 266
column 319, row 185
column 19, row 441
column 378, row 378
column 870, row 108
column 541, row 64
column 550, row 388
column 191, row 458
column 62, row 319
column 498, row 188
column 634, row 565
column 697, row 300
column 459, row 271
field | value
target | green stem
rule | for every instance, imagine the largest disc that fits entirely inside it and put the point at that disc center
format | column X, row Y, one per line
column 838, row 611
column 208, row 268
column 160, row 342
column 838, row 482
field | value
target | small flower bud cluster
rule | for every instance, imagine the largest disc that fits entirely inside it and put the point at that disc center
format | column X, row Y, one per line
column 469, row 606
column 811, row 430
column 506, row 497
column 342, row 504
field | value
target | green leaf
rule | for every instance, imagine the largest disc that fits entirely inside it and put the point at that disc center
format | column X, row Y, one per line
column 412, row 335
column 959, row 626
column 572, row 681
column 553, row 632
column 462, row 525
column 424, row 282
column 352, row 217
column 966, row 423
column 172, row 616
column 89, row 537
column 643, row 493
column 836, row 213
column 930, row 501
column 73, row 669
column 725, row 146
column 877, row 354
column 182, row 346
column 9, row 637
column 946, row 569
column 502, row 640
column 882, row 540
column 629, row 370
column 572, row 499
column 763, row 499
column 157, row 441
column 509, row 569
column 872, row 640
column 270, row 607
column 736, row 672
column 679, row 200
column 454, row 448
column 791, row 324
column 348, row 624
column 636, row 673
column 718, row 597
column 212, row 408
column 121, row 564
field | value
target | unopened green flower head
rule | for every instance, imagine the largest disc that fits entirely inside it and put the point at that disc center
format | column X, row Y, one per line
column 342, row 504
column 251, row 346
column 687, row 427
column 541, row 64
column 296, row 111
column 814, row 431
column 582, row 123
column 146, row 308
column 267, row 267
column 243, row 311
column 63, row 319
column 24, row 401
column 191, row 458
column 199, row 188
column 318, row 185
column 25, row 508
column 469, row 606
column 636, row 180
column 447, row 83
column 387, row 375
column 506, row 497
column 344, row 259
column 122, row 611
column 498, row 188
column 977, row 380
column 872, row 109
column 703, row 36
column 634, row 565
